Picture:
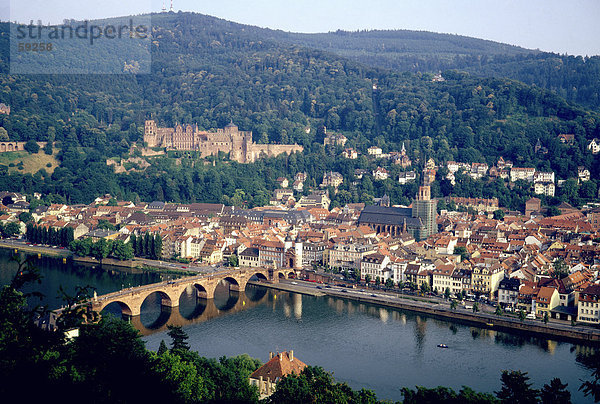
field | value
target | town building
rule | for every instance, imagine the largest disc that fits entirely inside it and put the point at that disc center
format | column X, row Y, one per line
column 518, row 173
column 335, row 139
column 375, row 151
column 588, row 305
column 508, row 292
column 350, row 154
column 406, row 177
column 583, row 174
column 332, row 179
column 347, row 255
column 544, row 188
column 486, row 278
column 374, row 265
column 594, row 146
column 380, row 173
column 268, row 375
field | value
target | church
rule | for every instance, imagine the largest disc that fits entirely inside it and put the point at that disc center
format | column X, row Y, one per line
column 419, row 221
column 230, row 140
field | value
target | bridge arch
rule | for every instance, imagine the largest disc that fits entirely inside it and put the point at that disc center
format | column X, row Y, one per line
column 291, row 275
column 125, row 308
column 226, row 302
column 261, row 276
column 201, row 291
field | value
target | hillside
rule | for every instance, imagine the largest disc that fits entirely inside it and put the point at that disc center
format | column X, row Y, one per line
column 210, row 71
column 576, row 79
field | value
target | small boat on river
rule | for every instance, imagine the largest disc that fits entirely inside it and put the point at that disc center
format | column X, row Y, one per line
column 442, row 346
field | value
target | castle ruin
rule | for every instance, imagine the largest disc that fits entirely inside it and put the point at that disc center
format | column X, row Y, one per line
column 230, row 140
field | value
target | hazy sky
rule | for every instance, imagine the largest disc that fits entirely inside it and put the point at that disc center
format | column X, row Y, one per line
column 563, row 26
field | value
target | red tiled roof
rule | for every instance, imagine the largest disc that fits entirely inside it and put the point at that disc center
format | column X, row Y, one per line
column 280, row 365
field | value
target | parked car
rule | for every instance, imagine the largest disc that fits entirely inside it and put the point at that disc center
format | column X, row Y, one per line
column 530, row 316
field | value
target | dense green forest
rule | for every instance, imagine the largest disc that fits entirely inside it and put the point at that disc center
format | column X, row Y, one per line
column 211, row 71
column 574, row 78
column 108, row 363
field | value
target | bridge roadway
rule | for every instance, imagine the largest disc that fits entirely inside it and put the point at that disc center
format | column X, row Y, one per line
column 130, row 300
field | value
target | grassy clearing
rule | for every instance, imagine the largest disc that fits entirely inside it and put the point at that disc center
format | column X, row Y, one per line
column 32, row 163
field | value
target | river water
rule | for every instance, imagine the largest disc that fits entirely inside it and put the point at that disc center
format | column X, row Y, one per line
column 363, row 345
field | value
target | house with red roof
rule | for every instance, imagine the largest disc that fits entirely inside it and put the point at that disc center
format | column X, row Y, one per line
column 268, row 375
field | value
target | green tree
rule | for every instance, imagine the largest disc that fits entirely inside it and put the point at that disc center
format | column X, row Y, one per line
column 32, row 147
column 10, row 229
column 546, row 317
column 162, row 347
column 522, row 315
column 101, row 249
column 178, row 339
column 25, row 217
column 475, row 307
column 447, row 293
column 462, row 251
column 157, row 247
column 499, row 214
column 591, row 387
column 453, row 305
column 179, row 377
column 233, row 260
column 498, row 310
column 555, row 393
column 121, row 251
column 425, row 288
column 48, row 148
column 389, row 283
column 516, row 388
column 368, row 279
column 3, row 135
column 560, row 269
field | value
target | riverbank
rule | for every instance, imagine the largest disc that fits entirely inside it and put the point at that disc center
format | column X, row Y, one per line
column 31, row 249
column 537, row 328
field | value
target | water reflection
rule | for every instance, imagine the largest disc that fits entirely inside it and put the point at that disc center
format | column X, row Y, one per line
column 156, row 317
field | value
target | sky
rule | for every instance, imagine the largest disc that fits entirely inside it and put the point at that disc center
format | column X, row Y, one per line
column 561, row 26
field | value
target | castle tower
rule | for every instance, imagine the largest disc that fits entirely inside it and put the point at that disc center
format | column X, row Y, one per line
column 151, row 133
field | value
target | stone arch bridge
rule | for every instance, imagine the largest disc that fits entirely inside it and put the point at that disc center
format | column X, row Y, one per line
column 130, row 300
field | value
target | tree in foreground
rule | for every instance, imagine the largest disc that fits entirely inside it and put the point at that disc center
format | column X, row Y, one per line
column 314, row 385
column 591, row 387
column 555, row 393
column 424, row 395
column 516, row 388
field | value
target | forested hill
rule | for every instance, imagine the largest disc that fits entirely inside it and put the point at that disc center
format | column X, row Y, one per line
column 211, row 71
column 576, row 79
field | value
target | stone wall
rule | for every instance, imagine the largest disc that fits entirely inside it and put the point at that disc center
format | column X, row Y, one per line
column 16, row 146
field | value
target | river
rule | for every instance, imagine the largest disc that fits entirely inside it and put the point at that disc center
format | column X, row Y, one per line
column 363, row 345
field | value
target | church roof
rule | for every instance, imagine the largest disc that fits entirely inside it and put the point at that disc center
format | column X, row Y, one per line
column 391, row 216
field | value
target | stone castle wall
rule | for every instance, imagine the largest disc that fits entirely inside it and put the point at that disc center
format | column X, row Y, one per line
column 238, row 144
column 16, row 146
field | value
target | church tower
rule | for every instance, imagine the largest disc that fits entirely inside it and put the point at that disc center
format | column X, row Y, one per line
column 425, row 208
